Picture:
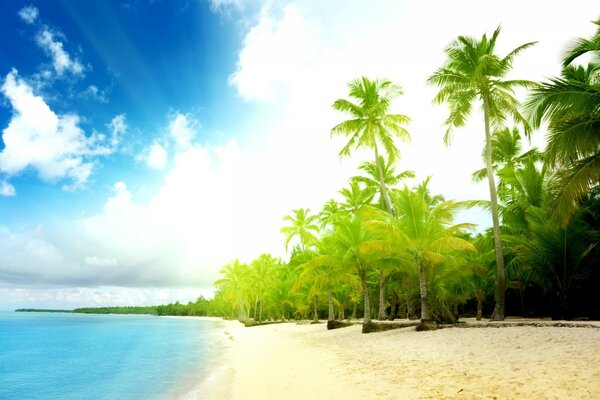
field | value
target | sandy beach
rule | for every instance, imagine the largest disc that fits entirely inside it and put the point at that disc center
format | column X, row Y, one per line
column 303, row 361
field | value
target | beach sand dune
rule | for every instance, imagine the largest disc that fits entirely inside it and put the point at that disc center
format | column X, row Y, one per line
column 303, row 361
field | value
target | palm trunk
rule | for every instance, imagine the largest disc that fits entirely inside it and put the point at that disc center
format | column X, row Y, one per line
column 407, row 305
column 315, row 312
column 260, row 313
column 381, row 315
column 479, row 308
column 393, row 307
column 330, row 313
column 365, row 290
column 499, row 308
column 353, row 316
column 425, row 312
column 342, row 313
column 255, row 306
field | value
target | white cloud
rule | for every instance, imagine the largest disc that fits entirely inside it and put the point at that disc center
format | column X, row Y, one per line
column 94, row 93
column 118, row 127
column 61, row 60
column 29, row 14
column 182, row 129
column 157, row 157
column 6, row 189
column 54, row 145
column 273, row 53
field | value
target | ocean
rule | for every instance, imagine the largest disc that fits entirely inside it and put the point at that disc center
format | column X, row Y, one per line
column 61, row 356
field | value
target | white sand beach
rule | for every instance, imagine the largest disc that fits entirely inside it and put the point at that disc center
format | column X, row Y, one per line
column 303, row 361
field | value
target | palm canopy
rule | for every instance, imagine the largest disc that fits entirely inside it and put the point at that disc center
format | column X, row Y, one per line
column 473, row 72
column 507, row 154
column 571, row 107
column 355, row 196
column 302, row 225
column 390, row 177
column 371, row 124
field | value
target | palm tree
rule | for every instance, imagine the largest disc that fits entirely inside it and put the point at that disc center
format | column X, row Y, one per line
column 330, row 210
column 423, row 232
column 571, row 106
column 303, row 225
column 356, row 197
column 371, row 126
column 372, row 182
column 473, row 72
column 358, row 248
column 390, row 177
column 235, row 285
column 261, row 273
column 324, row 271
column 557, row 254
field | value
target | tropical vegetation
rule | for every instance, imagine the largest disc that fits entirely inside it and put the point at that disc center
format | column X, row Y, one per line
column 393, row 250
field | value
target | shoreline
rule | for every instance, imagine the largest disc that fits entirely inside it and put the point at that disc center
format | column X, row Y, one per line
column 304, row 361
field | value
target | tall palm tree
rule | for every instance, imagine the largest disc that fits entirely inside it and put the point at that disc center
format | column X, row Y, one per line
column 571, row 106
column 302, row 225
column 371, row 126
column 474, row 73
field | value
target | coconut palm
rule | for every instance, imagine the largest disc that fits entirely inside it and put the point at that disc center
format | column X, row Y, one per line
column 330, row 210
column 261, row 273
column 371, row 180
column 324, row 271
column 424, row 232
column 390, row 177
column 571, row 106
column 302, row 225
column 474, row 73
column 371, row 126
column 234, row 283
column 356, row 197
column 358, row 248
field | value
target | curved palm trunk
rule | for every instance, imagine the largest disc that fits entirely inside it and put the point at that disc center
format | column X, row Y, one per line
column 425, row 311
column 499, row 308
column 381, row 315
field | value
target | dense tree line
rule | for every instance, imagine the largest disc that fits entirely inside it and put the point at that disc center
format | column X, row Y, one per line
column 201, row 307
column 391, row 250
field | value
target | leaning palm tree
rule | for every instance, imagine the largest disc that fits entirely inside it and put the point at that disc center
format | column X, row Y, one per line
column 371, row 126
column 571, row 106
column 474, row 73
column 302, row 225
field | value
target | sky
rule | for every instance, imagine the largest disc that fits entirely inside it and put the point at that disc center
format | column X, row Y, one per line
column 146, row 143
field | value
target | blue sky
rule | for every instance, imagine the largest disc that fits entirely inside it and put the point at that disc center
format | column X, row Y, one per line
column 145, row 143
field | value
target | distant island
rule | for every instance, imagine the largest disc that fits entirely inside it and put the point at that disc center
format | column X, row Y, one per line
column 199, row 308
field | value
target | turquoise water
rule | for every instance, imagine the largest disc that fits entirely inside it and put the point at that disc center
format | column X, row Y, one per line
column 47, row 356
